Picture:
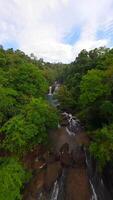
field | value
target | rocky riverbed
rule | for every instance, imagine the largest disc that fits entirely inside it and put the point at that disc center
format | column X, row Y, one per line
column 59, row 173
column 65, row 170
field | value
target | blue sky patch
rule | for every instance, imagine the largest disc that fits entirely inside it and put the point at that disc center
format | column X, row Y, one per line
column 10, row 44
column 100, row 35
column 73, row 36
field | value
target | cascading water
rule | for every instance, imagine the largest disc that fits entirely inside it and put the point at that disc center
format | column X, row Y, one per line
column 94, row 195
column 50, row 95
column 56, row 87
column 55, row 191
column 50, row 90
column 72, row 128
column 58, row 192
column 73, row 124
column 99, row 189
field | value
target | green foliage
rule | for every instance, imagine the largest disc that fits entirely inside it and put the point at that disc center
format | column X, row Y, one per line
column 27, row 80
column 106, row 109
column 12, row 177
column 102, row 146
column 89, row 80
column 3, row 78
column 7, row 103
column 40, row 113
column 53, row 72
column 65, row 97
column 30, row 128
column 25, row 117
column 93, row 87
column 20, row 80
column 16, row 135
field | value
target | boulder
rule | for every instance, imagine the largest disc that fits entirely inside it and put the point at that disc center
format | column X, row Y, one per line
column 64, row 119
column 54, row 170
column 64, row 122
column 38, row 164
column 64, row 148
column 35, row 154
column 49, row 157
column 78, row 157
column 35, row 187
column 65, row 159
column 57, row 156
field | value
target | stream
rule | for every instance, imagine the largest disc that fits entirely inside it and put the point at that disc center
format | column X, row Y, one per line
column 67, row 132
column 72, row 130
column 66, row 170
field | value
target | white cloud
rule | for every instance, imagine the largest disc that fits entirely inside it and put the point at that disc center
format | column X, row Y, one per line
column 39, row 26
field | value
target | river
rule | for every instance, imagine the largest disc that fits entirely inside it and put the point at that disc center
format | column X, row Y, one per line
column 73, row 183
column 67, row 171
column 82, row 182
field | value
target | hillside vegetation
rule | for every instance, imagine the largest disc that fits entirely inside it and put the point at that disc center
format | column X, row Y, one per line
column 88, row 91
column 25, row 116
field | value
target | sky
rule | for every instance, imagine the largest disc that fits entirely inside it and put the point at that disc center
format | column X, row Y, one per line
column 56, row 30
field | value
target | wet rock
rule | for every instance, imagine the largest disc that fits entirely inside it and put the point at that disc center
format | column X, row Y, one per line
column 57, row 156
column 65, row 159
column 82, row 139
column 64, row 123
column 64, row 148
column 35, row 186
column 38, row 165
column 54, row 170
column 30, row 198
column 77, row 185
column 49, row 157
column 31, row 158
column 64, row 120
column 78, row 156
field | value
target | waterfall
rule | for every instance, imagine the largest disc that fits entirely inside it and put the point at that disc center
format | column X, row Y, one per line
column 74, row 124
column 69, row 132
column 58, row 192
column 55, row 191
column 50, row 90
column 56, row 87
column 50, row 97
column 59, row 126
column 94, row 196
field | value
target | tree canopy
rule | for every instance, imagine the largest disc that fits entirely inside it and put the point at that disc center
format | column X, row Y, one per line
column 25, row 116
column 89, row 90
column 12, row 177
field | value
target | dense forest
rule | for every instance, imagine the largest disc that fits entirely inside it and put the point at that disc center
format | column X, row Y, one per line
column 87, row 91
column 26, row 117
